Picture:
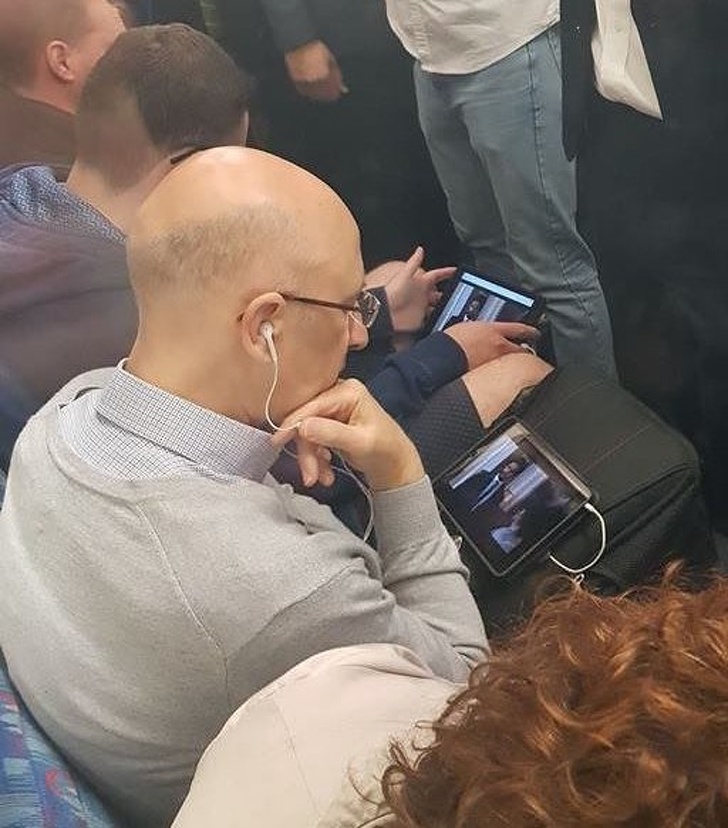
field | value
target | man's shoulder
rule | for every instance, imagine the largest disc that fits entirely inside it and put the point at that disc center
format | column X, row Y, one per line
column 234, row 522
column 32, row 131
column 176, row 507
column 44, row 423
column 45, row 257
column 77, row 387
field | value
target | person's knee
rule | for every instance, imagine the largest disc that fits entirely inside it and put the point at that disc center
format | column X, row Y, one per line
column 495, row 385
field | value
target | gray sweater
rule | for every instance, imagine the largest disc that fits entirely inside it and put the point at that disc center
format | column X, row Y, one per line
column 149, row 589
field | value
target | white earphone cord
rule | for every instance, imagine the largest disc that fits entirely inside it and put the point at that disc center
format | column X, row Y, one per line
column 343, row 469
column 595, row 560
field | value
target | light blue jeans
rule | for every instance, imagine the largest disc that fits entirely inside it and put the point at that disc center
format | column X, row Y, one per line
column 495, row 141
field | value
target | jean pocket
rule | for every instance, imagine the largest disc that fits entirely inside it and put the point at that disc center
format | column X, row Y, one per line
column 553, row 38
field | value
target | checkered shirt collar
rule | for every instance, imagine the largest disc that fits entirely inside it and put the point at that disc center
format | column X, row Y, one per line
column 205, row 437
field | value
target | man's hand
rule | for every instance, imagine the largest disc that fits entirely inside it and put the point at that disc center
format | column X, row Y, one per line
column 315, row 72
column 484, row 341
column 347, row 419
column 411, row 290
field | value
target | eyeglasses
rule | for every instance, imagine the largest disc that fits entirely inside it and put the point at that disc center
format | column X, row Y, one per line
column 366, row 305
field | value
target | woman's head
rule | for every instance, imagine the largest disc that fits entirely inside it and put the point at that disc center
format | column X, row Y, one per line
column 602, row 712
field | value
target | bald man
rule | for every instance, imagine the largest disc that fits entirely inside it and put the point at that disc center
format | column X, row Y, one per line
column 47, row 49
column 154, row 574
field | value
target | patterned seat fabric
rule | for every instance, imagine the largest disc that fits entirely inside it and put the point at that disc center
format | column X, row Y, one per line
column 38, row 789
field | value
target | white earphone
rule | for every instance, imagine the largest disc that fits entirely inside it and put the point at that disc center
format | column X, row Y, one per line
column 267, row 332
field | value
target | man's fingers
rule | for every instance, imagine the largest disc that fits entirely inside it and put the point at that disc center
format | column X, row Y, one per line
column 432, row 277
column 314, row 462
column 338, row 79
column 516, row 330
column 308, row 461
column 327, row 91
column 330, row 433
column 283, row 435
column 508, row 347
column 418, row 255
column 412, row 265
column 433, row 298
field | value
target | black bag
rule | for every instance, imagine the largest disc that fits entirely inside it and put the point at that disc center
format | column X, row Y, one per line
column 645, row 476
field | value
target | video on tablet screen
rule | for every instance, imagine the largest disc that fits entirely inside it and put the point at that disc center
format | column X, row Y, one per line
column 508, row 498
column 476, row 298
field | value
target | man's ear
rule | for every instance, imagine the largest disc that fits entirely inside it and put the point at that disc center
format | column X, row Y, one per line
column 265, row 310
column 57, row 56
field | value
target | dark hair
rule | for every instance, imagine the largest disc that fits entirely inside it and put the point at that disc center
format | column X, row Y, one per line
column 188, row 92
column 603, row 712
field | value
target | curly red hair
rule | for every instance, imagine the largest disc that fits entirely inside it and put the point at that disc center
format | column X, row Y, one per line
column 601, row 712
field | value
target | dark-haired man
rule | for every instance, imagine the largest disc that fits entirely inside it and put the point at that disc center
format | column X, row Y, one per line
column 47, row 49
column 65, row 302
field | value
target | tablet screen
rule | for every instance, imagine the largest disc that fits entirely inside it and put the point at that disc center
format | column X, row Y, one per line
column 478, row 298
column 509, row 496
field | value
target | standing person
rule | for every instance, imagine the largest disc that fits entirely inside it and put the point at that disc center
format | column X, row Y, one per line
column 488, row 83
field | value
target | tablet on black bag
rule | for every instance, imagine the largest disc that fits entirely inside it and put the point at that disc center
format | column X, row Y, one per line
column 510, row 497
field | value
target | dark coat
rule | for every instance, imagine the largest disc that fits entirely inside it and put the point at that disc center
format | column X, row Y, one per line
column 35, row 133
column 684, row 45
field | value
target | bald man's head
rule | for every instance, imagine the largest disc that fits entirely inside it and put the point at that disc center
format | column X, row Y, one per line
column 48, row 47
column 238, row 218
column 225, row 248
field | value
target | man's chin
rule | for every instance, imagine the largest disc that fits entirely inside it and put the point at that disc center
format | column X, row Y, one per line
column 305, row 397
column 320, row 391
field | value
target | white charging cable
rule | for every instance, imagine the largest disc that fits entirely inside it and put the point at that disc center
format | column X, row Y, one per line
column 595, row 560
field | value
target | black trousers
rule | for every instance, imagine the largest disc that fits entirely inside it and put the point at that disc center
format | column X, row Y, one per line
column 653, row 205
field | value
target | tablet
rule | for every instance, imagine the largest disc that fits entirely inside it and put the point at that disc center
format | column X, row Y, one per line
column 510, row 497
column 475, row 296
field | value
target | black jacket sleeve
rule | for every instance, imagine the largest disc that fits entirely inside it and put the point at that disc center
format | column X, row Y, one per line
column 291, row 23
